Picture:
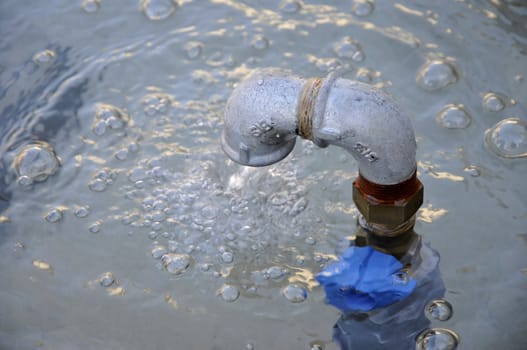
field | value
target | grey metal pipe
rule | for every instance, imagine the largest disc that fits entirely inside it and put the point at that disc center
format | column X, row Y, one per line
column 270, row 108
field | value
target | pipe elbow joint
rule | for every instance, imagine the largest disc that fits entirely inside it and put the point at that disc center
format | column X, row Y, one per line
column 270, row 108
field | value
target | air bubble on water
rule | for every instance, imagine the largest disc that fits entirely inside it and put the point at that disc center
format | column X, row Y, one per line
column 133, row 147
column 156, row 103
column 435, row 75
column 137, row 174
column 228, row 293
column 349, row 48
column 311, row 240
column 439, row 309
column 453, row 116
column 54, row 215
column 493, row 102
column 158, row 251
column 90, row 6
column 363, row 8
column 156, row 10
column 176, row 263
column 97, row 185
column 294, row 293
column 36, row 162
column 24, row 181
column 275, row 272
column 193, row 49
column 82, row 211
column 227, row 257
column 44, row 57
column 472, row 170
column 259, row 42
column 95, row 227
column 106, row 279
column 121, row 154
column 508, row 138
column 437, row 339
column 327, row 64
column 249, row 346
column 290, row 6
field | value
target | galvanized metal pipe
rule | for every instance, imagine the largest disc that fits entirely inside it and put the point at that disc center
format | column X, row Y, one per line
column 270, row 108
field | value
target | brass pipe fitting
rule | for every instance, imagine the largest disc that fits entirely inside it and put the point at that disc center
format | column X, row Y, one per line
column 388, row 210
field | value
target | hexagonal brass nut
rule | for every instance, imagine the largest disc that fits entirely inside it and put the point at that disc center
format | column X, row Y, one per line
column 388, row 214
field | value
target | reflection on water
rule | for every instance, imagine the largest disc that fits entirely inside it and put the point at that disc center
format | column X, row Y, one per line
column 123, row 224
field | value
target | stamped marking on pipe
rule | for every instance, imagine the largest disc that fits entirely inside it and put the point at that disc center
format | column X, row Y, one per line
column 366, row 152
column 261, row 128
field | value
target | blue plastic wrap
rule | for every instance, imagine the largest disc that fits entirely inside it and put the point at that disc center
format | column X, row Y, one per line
column 365, row 279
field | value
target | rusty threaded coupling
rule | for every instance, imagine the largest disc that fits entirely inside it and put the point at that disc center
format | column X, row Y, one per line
column 388, row 209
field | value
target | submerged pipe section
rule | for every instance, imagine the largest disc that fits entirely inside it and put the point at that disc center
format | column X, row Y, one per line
column 269, row 109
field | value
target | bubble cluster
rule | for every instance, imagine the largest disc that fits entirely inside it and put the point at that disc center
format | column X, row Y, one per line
column 493, row 102
column 176, row 264
column 290, row 6
column 156, row 10
column 91, row 6
column 453, row 116
column 294, row 293
column 44, row 57
column 349, row 48
column 508, row 138
column 363, row 8
column 439, row 309
column 101, row 179
column 156, row 103
column 435, row 75
column 437, row 339
column 228, row 293
column 35, row 163
column 108, row 117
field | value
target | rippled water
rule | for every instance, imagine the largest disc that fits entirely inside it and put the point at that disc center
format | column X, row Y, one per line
column 123, row 224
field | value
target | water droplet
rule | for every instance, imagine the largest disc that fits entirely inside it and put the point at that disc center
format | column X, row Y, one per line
column 472, row 170
column 453, row 117
column 260, row 42
column 227, row 257
column 121, row 154
column 363, row 8
column 439, row 309
column 176, row 263
column 25, row 181
column 158, row 251
column 228, row 293
column 44, row 57
column 349, row 48
column 91, row 6
column 36, row 162
column 437, row 339
column 193, row 49
column 493, row 102
column 508, row 138
column 435, row 75
column 95, row 227
column 290, row 6
column 106, row 279
column 156, row 10
column 54, row 215
column 82, row 212
column 294, row 293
